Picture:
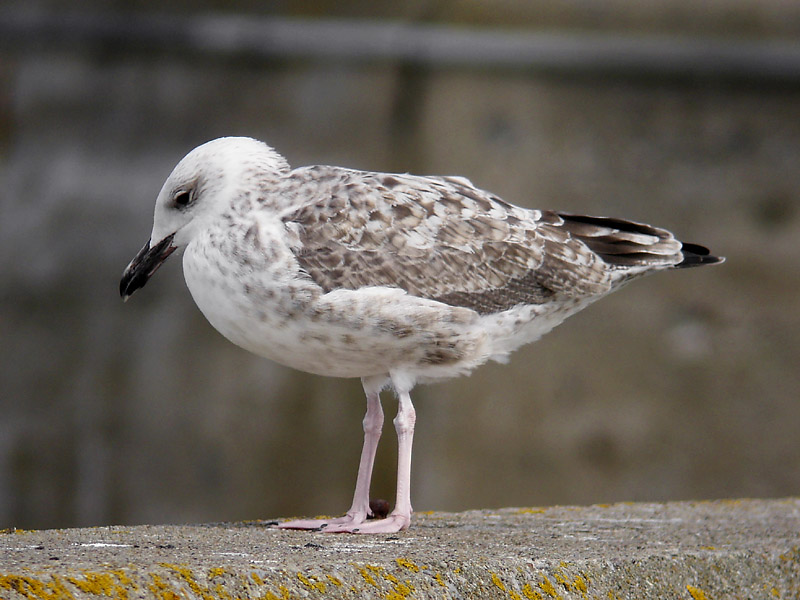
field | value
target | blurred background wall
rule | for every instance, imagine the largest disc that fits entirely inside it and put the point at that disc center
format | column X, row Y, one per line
column 684, row 385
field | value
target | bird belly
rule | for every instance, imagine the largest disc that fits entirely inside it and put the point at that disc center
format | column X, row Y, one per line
column 344, row 333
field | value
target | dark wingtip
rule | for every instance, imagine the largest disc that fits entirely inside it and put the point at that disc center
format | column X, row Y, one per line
column 695, row 255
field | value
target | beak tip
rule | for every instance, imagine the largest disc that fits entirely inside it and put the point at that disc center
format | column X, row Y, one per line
column 124, row 284
column 144, row 264
column 130, row 283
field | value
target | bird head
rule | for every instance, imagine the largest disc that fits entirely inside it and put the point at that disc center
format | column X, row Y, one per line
column 196, row 193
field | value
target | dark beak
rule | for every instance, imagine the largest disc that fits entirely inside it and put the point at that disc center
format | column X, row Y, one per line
column 144, row 265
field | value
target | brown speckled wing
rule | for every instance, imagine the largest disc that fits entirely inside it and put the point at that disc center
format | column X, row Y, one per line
column 441, row 238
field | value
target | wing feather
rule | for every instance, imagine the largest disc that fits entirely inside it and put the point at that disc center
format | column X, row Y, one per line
column 438, row 238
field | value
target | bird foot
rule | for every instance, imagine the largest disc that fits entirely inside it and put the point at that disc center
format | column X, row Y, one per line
column 355, row 523
column 391, row 524
column 349, row 520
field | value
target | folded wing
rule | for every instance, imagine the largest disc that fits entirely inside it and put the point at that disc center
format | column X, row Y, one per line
column 443, row 239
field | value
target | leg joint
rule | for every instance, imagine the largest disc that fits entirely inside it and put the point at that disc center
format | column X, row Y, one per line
column 406, row 418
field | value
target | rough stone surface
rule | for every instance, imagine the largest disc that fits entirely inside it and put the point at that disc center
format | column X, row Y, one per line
column 692, row 550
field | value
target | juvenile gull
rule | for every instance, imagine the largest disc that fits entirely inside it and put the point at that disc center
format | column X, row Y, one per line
column 393, row 278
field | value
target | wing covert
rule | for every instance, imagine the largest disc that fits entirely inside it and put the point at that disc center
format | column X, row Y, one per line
column 437, row 238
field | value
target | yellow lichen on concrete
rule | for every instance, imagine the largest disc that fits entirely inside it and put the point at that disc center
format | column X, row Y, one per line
column 221, row 592
column 399, row 591
column 500, row 585
column 123, row 579
column 407, row 564
column 161, row 589
column 560, row 578
column 311, row 583
column 548, row 588
column 204, row 592
column 389, row 577
column 580, row 584
column 498, row 582
column 102, row 584
column 570, row 582
column 271, row 596
column 368, row 576
column 334, row 580
column 284, row 593
column 35, row 589
column 696, row 593
column 530, row 593
column 189, row 579
column 564, row 578
column 399, row 588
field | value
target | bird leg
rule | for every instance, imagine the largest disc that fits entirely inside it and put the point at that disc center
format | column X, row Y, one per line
column 373, row 423
column 400, row 517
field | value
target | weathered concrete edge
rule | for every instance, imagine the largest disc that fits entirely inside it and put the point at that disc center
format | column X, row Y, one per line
column 629, row 551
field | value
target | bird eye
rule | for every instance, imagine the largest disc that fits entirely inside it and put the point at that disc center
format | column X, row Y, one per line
column 182, row 199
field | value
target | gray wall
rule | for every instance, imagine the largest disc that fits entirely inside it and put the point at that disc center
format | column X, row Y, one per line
column 680, row 386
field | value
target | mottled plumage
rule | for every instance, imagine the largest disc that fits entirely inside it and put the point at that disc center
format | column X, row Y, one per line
column 393, row 278
column 443, row 239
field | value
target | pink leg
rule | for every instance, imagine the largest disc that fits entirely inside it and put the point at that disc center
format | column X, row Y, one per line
column 373, row 423
column 400, row 518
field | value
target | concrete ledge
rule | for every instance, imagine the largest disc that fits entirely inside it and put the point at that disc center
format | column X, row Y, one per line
column 692, row 550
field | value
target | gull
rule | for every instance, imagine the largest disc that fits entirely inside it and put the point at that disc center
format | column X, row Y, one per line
column 394, row 278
